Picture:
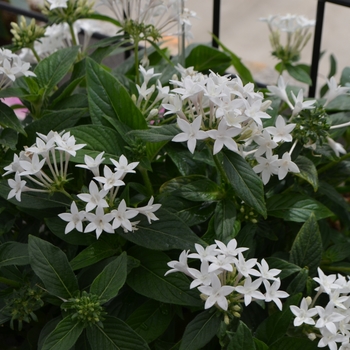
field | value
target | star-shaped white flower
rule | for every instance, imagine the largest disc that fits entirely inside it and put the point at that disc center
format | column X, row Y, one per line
column 300, row 104
column 267, row 167
column 92, row 164
column 223, row 137
column 122, row 216
column 216, row 293
column 123, row 165
column 149, row 209
column 99, row 222
column 17, row 187
column 334, row 90
column 273, row 294
column 282, row 130
column 303, row 313
column 286, row 165
column 191, row 133
column 250, row 290
column 74, row 218
column 110, row 179
column 94, row 198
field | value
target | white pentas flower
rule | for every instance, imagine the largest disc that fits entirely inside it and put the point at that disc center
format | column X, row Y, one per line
column 334, row 90
column 226, row 280
column 191, row 133
column 17, row 187
column 95, row 197
column 74, row 218
column 281, row 131
column 57, row 4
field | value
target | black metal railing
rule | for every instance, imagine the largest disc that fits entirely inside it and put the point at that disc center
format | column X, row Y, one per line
column 317, row 40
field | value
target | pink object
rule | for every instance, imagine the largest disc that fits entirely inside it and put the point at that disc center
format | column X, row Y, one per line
column 21, row 113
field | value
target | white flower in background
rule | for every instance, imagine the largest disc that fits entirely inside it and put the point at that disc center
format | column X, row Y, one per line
column 336, row 146
column 300, row 104
column 203, row 253
column 280, row 91
column 179, row 266
column 266, row 145
column 57, row 4
column 334, row 90
column 74, row 218
column 191, row 133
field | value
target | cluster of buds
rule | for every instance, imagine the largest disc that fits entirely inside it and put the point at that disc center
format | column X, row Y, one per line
column 107, row 216
column 86, row 309
column 227, row 280
column 329, row 324
column 296, row 29
column 67, row 11
column 24, row 35
column 22, row 303
column 12, row 67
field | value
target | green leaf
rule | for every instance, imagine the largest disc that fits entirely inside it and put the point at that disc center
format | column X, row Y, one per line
column 93, row 253
column 64, row 335
column 115, row 335
column 345, row 76
column 308, row 171
column 298, row 284
column 298, row 73
column 169, row 232
column 224, row 219
column 336, row 253
column 200, row 190
column 51, row 265
column 8, row 119
column 259, row 345
column 286, row 267
column 292, row 343
column 247, row 185
column 236, row 62
column 51, row 70
column 98, row 138
column 296, row 207
column 276, row 325
column 340, row 103
column 151, row 319
column 203, row 58
column 148, row 279
column 13, row 253
column 307, row 249
column 157, row 133
column 200, row 330
column 107, row 96
column 242, row 339
column 107, row 284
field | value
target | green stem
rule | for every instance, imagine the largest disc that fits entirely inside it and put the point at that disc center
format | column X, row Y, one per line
column 35, row 54
column 146, row 180
column 331, row 165
column 71, row 30
column 221, row 169
column 8, row 282
column 136, row 53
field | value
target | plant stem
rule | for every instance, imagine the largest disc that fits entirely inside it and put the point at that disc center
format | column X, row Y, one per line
column 146, row 180
column 136, row 53
column 8, row 282
column 330, row 165
column 35, row 54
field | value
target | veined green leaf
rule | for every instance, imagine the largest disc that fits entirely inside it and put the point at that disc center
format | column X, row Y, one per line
column 308, row 171
column 224, row 219
column 148, row 279
column 200, row 330
column 13, row 253
column 307, row 249
column 51, row 265
column 8, row 119
column 115, row 335
column 107, row 284
column 242, row 339
column 298, row 73
column 244, row 181
column 64, row 335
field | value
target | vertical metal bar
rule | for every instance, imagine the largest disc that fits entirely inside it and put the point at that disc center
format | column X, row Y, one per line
column 216, row 21
column 317, row 46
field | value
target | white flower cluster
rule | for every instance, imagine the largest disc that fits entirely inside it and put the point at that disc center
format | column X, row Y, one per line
column 102, row 199
column 30, row 162
column 12, row 67
column 289, row 23
column 164, row 15
column 223, row 109
column 329, row 324
column 226, row 279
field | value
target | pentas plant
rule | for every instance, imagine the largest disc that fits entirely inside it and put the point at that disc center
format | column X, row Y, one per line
column 328, row 325
column 227, row 280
